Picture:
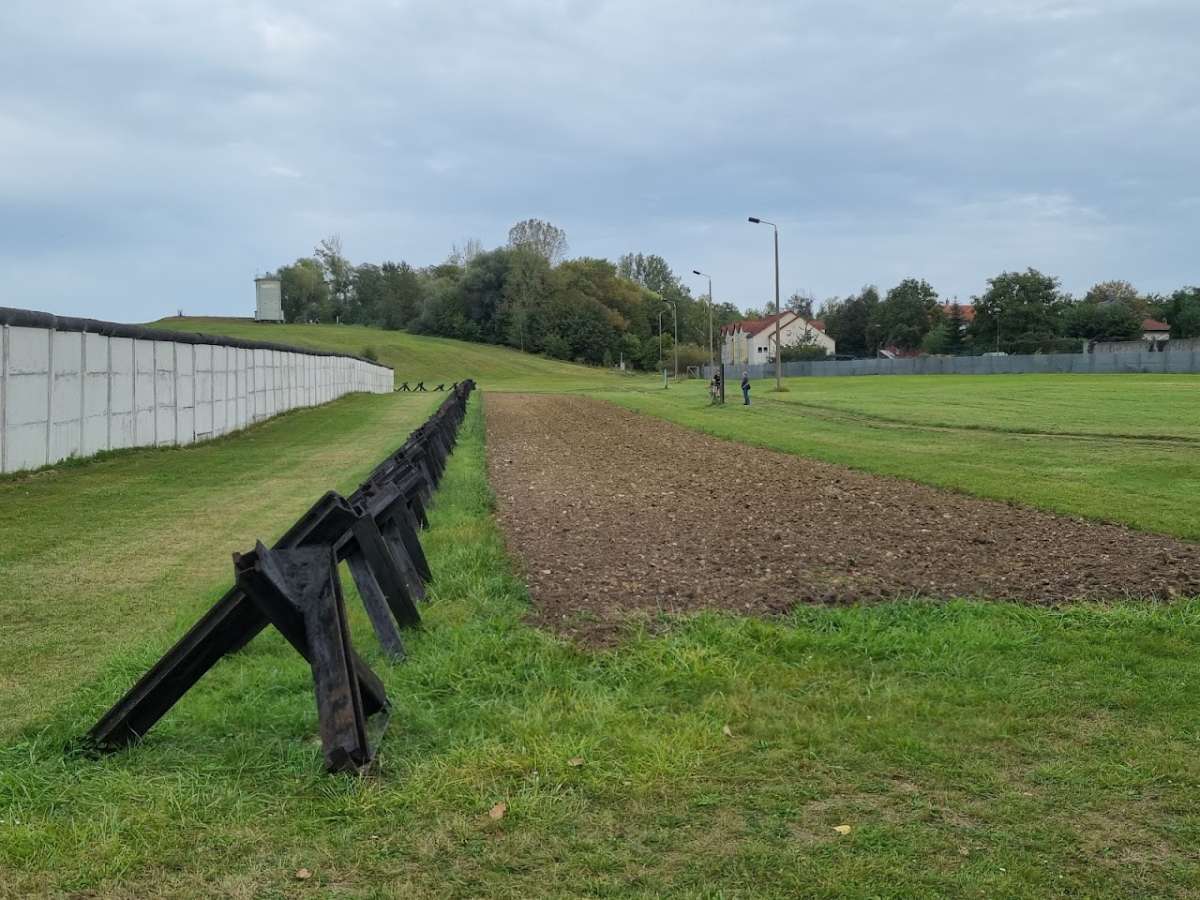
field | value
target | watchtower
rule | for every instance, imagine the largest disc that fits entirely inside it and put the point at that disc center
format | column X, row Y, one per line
column 268, row 295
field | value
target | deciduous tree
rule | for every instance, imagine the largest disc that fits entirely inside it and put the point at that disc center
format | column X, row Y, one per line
column 1183, row 313
column 1018, row 306
column 849, row 322
column 305, row 294
column 339, row 274
column 906, row 314
column 545, row 239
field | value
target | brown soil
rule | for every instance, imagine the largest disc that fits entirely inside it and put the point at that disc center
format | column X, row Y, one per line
column 612, row 512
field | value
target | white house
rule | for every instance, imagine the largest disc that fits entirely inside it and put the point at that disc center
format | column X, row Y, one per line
column 752, row 341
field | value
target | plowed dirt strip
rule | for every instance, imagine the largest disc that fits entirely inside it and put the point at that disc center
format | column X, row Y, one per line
column 611, row 512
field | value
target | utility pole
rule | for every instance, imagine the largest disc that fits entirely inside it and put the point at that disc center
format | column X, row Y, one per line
column 675, row 314
column 660, row 315
column 778, row 348
column 712, row 366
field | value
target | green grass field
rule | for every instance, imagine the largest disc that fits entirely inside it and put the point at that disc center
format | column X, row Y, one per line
column 109, row 551
column 972, row 749
column 1146, row 407
column 430, row 359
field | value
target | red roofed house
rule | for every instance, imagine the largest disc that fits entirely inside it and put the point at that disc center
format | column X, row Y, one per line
column 752, row 341
column 966, row 310
column 1155, row 331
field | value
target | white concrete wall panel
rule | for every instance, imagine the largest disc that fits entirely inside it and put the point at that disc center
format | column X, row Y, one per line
column 202, row 357
column 66, row 395
column 143, row 393
column 241, row 413
column 27, row 398
column 218, row 391
column 185, row 393
column 70, row 393
column 164, row 398
column 122, row 426
column 3, row 387
column 95, row 394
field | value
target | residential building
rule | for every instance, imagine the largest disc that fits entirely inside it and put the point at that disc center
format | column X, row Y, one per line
column 966, row 310
column 752, row 341
column 1155, row 332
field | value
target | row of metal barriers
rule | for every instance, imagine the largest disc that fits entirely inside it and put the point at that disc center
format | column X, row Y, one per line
column 294, row 586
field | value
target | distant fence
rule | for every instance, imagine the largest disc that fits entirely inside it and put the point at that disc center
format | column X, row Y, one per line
column 1169, row 361
column 75, row 387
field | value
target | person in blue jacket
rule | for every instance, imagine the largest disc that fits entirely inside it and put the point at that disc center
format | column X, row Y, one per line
column 745, row 388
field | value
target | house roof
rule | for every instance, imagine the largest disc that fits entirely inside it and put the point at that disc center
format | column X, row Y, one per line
column 753, row 326
column 757, row 326
column 967, row 311
column 1154, row 325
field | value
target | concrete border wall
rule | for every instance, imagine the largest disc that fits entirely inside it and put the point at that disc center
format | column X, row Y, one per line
column 1165, row 362
column 75, row 387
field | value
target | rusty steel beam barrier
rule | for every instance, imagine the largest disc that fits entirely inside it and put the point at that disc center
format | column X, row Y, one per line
column 375, row 532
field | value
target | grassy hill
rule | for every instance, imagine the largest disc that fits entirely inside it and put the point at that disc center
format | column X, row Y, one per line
column 416, row 357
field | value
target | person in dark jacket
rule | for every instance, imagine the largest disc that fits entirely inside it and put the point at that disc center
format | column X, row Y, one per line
column 745, row 388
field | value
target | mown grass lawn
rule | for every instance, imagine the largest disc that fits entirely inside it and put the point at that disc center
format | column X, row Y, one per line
column 1142, row 406
column 110, row 551
column 1121, row 448
column 972, row 749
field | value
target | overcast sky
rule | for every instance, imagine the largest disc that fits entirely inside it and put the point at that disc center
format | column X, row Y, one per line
column 156, row 155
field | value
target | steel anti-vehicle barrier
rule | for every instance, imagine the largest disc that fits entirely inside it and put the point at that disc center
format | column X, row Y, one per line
column 294, row 586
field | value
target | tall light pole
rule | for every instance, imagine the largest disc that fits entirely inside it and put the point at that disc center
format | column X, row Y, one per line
column 675, row 316
column 778, row 349
column 712, row 366
column 660, row 315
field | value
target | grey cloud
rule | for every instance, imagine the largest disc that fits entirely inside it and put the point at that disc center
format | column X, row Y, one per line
column 155, row 155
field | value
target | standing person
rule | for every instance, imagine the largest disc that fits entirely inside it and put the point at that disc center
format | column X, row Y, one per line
column 714, row 388
column 745, row 388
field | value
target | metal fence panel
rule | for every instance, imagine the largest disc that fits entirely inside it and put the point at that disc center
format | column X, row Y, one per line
column 1181, row 357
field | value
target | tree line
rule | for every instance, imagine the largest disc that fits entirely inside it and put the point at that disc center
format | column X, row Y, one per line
column 1020, row 312
column 526, row 295
column 530, row 296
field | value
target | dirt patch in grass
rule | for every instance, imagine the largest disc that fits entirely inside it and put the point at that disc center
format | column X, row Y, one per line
column 613, row 514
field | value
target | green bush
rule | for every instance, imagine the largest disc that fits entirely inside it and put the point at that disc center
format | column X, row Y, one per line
column 556, row 347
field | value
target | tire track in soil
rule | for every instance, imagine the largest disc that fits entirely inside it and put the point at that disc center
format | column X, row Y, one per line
column 873, row 420
column 612, row 513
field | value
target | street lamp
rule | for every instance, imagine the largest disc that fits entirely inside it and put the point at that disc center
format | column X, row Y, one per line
column 712, row 366
column 675, row 316
column 778, row 349
column 660, row 315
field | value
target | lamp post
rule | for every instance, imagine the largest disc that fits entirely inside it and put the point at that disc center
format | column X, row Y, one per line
column 675, row 316
column 660, row 315
column 712, row 366
column 778, row 349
